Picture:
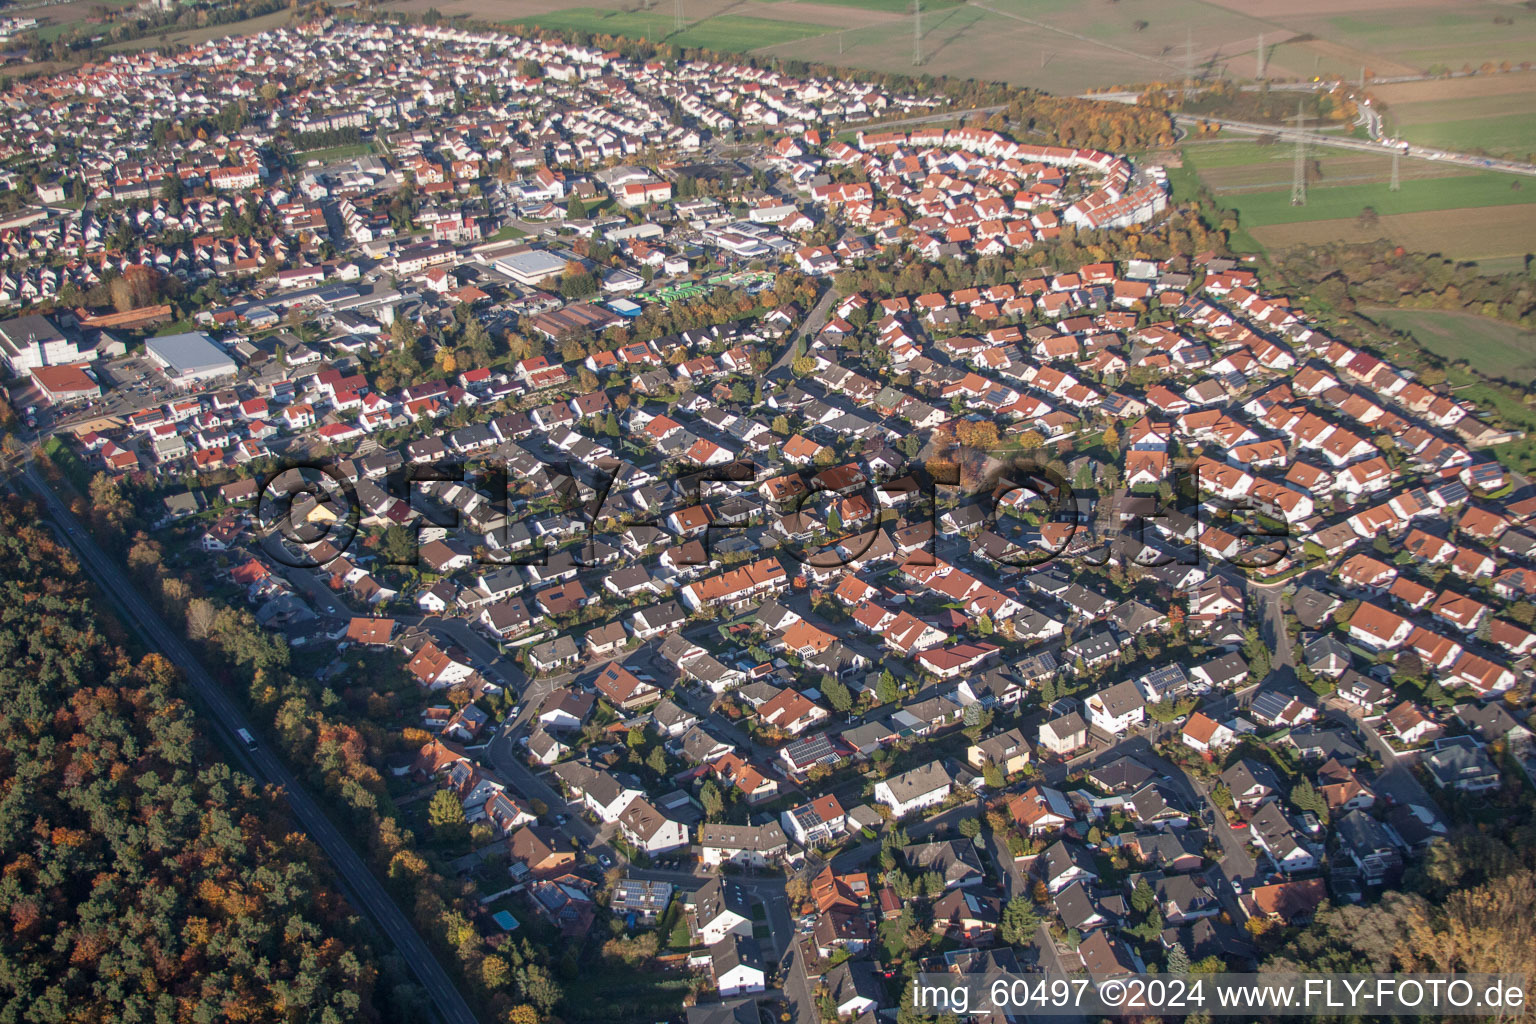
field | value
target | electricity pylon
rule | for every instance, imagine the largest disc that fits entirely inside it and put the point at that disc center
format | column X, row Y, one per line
column 1299, row 169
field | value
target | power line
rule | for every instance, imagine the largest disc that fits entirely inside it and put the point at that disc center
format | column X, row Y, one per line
column 917, row 33
column 677, row 17
column 1397, row 180
column 1259, row 75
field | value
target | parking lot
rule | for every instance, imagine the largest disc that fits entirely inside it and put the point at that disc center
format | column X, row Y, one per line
column 136, row 375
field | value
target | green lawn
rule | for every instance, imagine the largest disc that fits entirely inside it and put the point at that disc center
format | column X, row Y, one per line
column 727, row 33
column 613, row 992
column 892, row 940
column 732, row 33
column 333, row 153
column 507, row 233
column 1492, row 347
column 1344, row 201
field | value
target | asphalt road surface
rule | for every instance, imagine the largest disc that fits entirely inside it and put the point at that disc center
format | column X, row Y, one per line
column 358, row 882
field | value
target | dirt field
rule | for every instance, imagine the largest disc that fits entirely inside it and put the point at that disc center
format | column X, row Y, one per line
column 1348, row 55
column 833, row 16
column 42, row 67
column 1477, row 87
column 1308, row 8
column 1043, row 43
column 1498, row 232
column 1494, row 113
column 1274, row 172
column 1049, row 44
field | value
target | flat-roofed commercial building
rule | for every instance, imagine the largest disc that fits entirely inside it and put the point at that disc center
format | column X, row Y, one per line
column 190, row 358
column 531, row 267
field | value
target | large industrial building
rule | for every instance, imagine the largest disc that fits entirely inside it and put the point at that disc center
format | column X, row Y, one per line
column 190, row 358
column 531, row 267
column 34, row 340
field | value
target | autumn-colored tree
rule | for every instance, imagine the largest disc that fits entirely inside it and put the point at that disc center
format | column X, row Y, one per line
column 191, row 905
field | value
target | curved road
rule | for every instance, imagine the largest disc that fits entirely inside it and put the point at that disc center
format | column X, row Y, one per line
column 358, row 882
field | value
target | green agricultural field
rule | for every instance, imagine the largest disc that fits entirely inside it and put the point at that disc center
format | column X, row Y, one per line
column 888, row 6
column 1345, row 201
column 1212, row 155
column 1415, row 35
column 1492, row 347
column 728, row 33
column 1513, row 134
column 733, row 33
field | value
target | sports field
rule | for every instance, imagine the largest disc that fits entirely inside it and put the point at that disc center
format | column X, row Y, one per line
column 1492, row 347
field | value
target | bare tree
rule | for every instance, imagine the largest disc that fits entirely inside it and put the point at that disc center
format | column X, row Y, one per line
column 200, row 615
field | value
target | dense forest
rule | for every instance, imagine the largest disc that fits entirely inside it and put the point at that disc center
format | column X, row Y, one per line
column 141, row 880
column 335, row 735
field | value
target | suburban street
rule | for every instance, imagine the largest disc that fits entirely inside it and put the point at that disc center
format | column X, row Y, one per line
column 355, row 878
column 814, row 321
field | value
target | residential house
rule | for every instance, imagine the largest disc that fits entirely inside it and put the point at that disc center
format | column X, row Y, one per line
column 1009, row 751
column 720, row 907
column 915, row 790
column 1065, row 735
column 736, row 963
column 818, row 821
column 742, row 845
column 645, row 828
column 1117, row 709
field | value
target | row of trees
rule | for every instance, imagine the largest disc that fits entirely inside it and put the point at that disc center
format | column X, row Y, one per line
column 1347, row 275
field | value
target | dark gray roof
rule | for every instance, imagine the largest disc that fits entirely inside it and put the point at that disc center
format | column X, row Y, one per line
column 1123, row 774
